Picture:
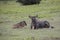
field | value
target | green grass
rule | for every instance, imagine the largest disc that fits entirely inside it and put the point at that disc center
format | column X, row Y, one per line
column 12, row 13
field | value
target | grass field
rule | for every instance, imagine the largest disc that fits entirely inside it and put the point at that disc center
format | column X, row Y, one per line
column 12, row 13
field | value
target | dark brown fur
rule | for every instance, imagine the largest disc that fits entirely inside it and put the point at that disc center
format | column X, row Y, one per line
column 20, row 24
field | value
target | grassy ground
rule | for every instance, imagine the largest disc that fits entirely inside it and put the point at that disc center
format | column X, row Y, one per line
column 12, row 13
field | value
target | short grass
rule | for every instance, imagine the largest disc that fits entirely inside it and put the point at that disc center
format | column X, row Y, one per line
column 12, row 13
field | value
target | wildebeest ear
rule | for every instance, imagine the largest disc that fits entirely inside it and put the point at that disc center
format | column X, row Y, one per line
column 29, row 16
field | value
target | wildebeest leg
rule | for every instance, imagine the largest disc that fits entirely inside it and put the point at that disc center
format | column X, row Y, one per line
column 34, row 27
column 31, row 25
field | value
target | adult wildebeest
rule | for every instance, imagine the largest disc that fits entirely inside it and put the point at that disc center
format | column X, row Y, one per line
column 39, row 24
column 20, row 24
column 28, row 2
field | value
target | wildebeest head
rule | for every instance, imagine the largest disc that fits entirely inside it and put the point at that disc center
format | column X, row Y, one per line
column 24, row 23
column 33, row 18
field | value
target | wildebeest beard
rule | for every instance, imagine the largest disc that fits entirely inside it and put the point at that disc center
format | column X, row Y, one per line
column 34, row 21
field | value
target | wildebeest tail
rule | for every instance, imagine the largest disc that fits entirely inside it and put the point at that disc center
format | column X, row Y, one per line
column 52, row 26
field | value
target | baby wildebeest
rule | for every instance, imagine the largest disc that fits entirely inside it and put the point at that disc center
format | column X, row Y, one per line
column 38, row 24
column 20, row 24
